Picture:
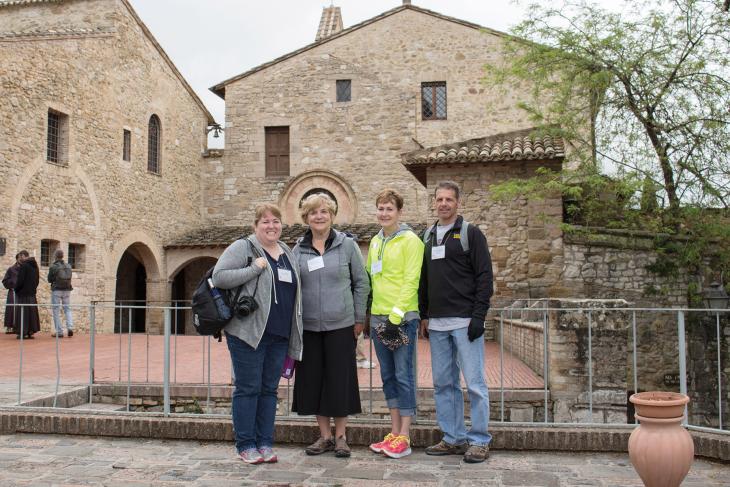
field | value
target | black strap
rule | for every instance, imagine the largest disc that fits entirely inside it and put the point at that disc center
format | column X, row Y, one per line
column 248, row 264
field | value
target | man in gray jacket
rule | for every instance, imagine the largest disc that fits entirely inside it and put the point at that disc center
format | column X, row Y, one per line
column 59, row 275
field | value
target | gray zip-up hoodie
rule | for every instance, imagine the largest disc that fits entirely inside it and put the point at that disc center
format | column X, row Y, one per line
column 336, row 295
column 232, row 271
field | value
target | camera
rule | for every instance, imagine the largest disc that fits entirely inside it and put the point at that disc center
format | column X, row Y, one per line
column 245, row 306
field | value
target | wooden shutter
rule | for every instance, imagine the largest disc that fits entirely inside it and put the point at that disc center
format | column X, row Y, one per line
column 277, row 151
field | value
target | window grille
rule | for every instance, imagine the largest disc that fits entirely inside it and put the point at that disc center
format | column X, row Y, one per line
column 153, row 145
column 48, row 247
column 344, row 90
column 433, row 100
column 54, row 132
column 127, row 146
column 76, row 255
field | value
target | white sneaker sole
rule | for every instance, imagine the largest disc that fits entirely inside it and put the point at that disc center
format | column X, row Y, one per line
column 402, row 454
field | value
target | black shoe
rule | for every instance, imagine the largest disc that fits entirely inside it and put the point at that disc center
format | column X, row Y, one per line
column 70, row 333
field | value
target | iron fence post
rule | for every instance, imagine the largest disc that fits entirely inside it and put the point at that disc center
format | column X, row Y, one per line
column 166, row 365
column 682, row 358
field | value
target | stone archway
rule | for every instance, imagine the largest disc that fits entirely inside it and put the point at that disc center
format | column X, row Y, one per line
column 136, row 268
column 184, row 282
column 318, row 180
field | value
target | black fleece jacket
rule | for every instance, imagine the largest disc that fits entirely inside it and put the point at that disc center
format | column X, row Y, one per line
column 459, row 285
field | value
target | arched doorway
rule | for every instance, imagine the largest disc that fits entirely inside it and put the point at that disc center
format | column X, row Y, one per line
column 183, row 286
column 131, row 290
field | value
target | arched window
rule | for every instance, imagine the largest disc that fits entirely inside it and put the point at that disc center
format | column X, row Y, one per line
column 154, row 137
column 315, row 191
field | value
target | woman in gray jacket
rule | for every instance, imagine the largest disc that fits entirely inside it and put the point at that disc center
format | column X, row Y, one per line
column 260, row 335
column 335, row 288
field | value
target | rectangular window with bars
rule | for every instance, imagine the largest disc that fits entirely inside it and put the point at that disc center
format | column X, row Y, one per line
column 127, row 146
column 53, row 137
column 48, row 247
column 433, row 100
column 344, row 90
column 57, row 138
column 76, row 255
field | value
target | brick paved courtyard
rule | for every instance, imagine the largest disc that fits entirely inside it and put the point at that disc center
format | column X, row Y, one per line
column 190, row 356
column 50, row 460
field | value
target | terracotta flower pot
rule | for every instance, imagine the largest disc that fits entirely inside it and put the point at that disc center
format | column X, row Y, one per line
column 660, row 448
column 658, row 404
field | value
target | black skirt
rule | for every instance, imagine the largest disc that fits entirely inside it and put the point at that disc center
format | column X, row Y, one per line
column 325, row 382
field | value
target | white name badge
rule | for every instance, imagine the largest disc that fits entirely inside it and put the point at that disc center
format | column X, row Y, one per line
column 438, row 252
column 376, row 267
column 284, row 275
column 315, row 263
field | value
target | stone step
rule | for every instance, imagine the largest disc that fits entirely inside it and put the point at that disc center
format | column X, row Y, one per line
column 100, row 406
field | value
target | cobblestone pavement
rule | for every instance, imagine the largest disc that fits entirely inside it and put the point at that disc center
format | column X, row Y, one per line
column 64, row 461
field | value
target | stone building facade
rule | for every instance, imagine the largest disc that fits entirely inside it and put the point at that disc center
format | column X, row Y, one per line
column 100, row 142
column 353, row 147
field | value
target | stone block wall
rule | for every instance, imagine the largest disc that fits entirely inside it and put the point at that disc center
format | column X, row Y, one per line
column 588, row 373
column 525, row 340
column 707, row 390
column 524, row 235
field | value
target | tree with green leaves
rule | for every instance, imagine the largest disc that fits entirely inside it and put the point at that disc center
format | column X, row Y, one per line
column 642, row 94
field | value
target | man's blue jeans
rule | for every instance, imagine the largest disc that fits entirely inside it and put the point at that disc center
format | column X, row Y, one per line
column 62, row 298
column 257, row 373
column 396, row 371
column 451, row 351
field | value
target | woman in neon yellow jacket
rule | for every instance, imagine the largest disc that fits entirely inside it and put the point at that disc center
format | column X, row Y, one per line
column 394, row 264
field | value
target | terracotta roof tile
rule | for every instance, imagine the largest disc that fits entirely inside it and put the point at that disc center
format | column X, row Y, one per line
column 520, row 145
column 222, row 236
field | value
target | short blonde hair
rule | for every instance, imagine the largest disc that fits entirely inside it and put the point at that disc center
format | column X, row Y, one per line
column 263, row 208
column 389, row 195
column 314, row 201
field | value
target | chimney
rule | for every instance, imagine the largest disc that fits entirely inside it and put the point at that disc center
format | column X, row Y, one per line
column 406, row 2
column 330, row 23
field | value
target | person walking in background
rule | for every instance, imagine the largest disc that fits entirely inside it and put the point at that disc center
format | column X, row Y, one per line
column 394, row 263
column 267, row 324
column 59, row 276
column 456, row 286
column 11, row 311
column 335, row 290
column 26, row 286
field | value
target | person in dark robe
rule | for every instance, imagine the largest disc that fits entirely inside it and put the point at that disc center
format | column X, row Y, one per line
column 11, row 312
column 26, row 286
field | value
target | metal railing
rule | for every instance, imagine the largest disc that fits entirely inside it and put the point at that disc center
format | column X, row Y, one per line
column 592, row 358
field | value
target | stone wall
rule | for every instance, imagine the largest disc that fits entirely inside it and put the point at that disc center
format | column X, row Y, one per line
column 524, row 234
column 93, row 62
column 705, row 389
column 588, row 349
column 360, row 141
column 611, row 264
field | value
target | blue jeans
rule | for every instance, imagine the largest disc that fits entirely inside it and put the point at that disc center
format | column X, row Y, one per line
column 396, row 371
column 450, row 352
column 257, row 373
column 62, row 298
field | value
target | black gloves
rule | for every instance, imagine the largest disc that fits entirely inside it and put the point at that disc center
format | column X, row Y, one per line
column 392, row 331
column 476, row 329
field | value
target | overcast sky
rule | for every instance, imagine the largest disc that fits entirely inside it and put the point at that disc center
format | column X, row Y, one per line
column 212, row 40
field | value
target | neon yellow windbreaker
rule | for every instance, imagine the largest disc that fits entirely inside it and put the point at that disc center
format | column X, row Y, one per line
column 395, row 287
